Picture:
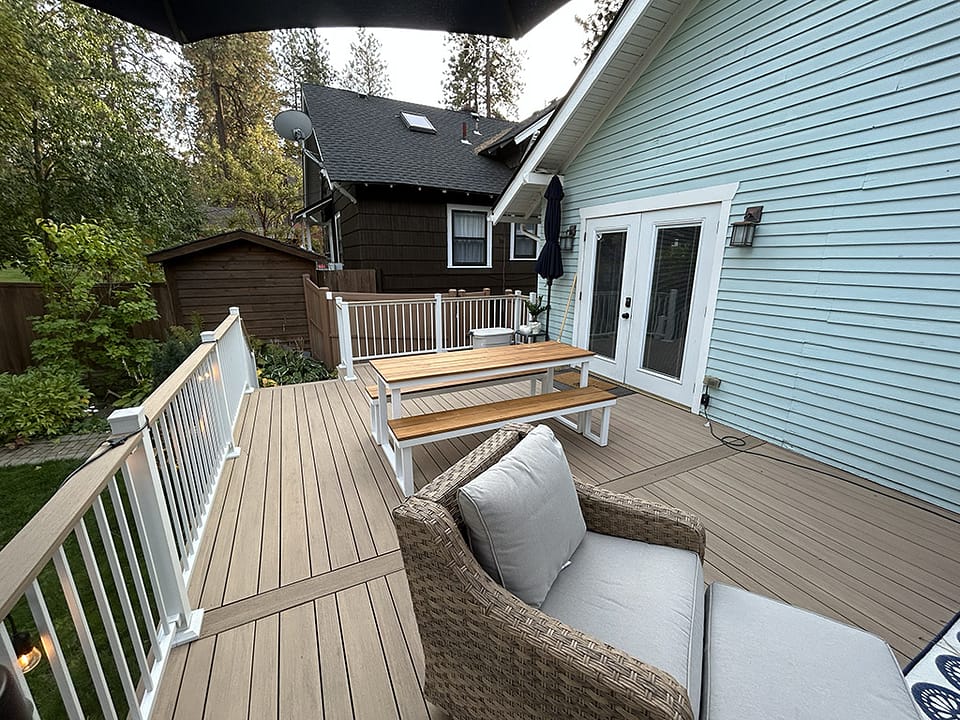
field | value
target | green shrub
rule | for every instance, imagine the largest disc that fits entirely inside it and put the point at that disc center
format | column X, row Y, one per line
column 169, row 354
column 277, row 365
column 40, row 402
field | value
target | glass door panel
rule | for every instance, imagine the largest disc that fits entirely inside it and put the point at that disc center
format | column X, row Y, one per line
column 671, row 294
column 607, row 286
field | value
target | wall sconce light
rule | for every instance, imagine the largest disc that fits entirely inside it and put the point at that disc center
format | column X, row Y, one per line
column 567, row 237
column 741, row 234
column 28, row 654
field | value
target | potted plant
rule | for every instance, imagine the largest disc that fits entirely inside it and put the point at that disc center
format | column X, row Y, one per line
column 535, row 309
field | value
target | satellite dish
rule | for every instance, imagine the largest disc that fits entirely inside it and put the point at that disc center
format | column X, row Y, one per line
column 293, row 125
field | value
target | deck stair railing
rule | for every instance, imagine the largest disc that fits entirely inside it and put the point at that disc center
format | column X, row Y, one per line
column 372, row 329
column 134, row 515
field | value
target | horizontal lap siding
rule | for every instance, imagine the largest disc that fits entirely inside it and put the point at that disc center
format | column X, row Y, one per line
column 838, row 334
column 265, row 284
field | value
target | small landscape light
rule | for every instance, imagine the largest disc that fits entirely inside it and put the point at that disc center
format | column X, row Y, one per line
column 741, row 233
column 28, row 654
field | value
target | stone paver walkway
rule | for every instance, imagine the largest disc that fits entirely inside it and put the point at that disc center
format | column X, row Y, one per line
column 61, row 448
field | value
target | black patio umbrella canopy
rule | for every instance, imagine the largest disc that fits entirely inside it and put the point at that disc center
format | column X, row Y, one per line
column 549, row 262
column 189, row 20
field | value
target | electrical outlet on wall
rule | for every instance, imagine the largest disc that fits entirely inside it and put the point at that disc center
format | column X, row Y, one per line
column 711, row 382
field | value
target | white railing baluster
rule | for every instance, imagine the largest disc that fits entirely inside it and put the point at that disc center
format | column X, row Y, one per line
column 200, row 426
column 184, row 470
column 174, row 492
column 126, row 607
column 132, row 562
column 8, row 657
column 87, row 645
column 53, row 652
column 191, row 457
column 146, row 500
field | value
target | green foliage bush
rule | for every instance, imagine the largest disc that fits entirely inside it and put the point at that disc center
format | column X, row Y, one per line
column 278, row 365
column 40, row 402
column 96, row 289
column 169, row 354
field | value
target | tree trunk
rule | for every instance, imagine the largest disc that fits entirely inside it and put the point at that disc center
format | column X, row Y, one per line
column 487, row 73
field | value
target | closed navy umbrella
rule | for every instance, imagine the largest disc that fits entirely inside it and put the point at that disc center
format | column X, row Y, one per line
column 549, row 262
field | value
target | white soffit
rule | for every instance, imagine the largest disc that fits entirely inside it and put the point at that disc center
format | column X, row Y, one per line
column 643, row 28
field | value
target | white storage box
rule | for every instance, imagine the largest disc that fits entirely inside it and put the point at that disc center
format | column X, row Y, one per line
column 491, row 337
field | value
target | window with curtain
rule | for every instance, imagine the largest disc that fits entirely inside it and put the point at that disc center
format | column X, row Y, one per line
column 524, row 247
column 468, row 238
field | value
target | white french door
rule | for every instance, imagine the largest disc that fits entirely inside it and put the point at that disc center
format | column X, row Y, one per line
column 647, row 288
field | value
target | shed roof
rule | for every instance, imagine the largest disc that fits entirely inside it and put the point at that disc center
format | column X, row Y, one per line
column 364, row 139
column 208, row 243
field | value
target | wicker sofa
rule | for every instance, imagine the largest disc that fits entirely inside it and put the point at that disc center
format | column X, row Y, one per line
column 490, row 656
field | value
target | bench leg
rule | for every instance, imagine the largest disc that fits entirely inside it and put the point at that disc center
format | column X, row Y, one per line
column 404, row 468
column 603, row 438
column 375, row 420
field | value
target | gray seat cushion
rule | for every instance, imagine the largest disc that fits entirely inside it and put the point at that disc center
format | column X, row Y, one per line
column 773, row 661
column 647, row 600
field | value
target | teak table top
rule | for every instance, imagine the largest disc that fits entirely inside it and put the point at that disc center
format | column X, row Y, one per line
column 494, row 359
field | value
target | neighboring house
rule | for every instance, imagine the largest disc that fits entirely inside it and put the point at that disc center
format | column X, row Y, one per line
column 838, row 332
column 261, row 276
column 409, row 198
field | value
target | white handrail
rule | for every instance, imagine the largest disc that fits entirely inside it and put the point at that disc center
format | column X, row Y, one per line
column 170, row 452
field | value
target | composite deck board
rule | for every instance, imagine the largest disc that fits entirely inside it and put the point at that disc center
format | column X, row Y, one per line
column 309, row 613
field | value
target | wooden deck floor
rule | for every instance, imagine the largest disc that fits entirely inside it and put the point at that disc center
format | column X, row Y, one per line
column 308, row 613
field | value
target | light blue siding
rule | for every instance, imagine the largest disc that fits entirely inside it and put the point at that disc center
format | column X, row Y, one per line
column 838, row 333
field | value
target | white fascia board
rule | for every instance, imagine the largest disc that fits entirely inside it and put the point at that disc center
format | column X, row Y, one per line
column 537, row 126
column 611, row 46
column 535, row 178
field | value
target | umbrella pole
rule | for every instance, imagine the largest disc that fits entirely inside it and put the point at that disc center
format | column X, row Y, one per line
column 546, row 325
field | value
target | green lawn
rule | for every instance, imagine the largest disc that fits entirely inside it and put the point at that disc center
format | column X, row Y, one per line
column 24, row 489
column 12, row 275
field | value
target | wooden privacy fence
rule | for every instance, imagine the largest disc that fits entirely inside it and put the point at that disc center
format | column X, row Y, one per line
column 352, row 327
column 137, row 511
column 21, row 301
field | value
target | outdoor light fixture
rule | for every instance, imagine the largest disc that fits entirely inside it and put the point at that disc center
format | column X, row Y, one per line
column 28, row 654
column 741, row 233
column 567, row 237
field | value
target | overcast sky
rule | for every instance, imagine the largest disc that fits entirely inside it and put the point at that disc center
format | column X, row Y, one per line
column 416, row 58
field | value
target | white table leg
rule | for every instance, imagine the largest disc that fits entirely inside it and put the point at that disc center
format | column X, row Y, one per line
column 382, row 437
column 546, row 385
column 396, row 403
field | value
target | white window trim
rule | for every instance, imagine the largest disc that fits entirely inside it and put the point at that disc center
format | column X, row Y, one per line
column 513, row 249
column 469, row 208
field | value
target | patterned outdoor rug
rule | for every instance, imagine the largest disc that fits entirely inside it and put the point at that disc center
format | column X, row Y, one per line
column 571, row 379
column 934, row 675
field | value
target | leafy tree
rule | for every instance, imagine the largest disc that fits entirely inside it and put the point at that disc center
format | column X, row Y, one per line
column 96, row 288
column 80, row 127
column 238, row 160
column 366, row 71
column 596, row 23
column 483, row 73
column 303, row 56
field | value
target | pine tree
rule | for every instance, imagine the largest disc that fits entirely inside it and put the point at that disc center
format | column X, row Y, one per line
column 482, row 74
column 303, row 56
column 366, row 71
column 595, row 24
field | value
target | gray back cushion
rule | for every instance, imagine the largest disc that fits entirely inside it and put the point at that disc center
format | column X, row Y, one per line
column 523, row 518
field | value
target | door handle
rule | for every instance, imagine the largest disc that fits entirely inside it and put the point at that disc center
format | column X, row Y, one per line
column 626, row 316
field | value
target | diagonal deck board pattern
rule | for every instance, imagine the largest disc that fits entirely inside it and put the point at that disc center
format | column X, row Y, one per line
column 308, row 613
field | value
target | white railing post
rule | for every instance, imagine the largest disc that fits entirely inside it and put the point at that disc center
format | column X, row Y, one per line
column 220, row 393
column 253, row 382
column 150, row 512
column 438, row 322
column 517, row 309
column 346, row 339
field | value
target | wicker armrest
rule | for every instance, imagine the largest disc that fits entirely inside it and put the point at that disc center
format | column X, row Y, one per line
column 629, row 517
column 490, row 656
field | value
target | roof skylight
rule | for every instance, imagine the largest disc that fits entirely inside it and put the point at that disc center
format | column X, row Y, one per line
column 417, row 123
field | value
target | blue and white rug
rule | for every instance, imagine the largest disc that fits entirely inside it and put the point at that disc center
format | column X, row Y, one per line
column 934, row 675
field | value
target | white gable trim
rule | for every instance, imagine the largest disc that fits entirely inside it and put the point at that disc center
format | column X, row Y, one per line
column 630, row 15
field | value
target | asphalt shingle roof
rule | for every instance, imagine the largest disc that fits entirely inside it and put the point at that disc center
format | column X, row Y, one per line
column 363, row 139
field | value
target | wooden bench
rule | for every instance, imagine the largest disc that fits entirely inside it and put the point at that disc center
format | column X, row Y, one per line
column 408, row 432
column 373, row 395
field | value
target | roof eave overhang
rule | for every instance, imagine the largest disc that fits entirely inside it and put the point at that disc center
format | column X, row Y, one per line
column 604, row 85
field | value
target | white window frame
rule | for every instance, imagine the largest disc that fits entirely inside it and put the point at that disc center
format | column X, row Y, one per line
column 513, row 247
column 469, row 208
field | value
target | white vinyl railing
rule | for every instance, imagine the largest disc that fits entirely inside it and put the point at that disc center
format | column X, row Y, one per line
column 136, row 535
column 371, row 329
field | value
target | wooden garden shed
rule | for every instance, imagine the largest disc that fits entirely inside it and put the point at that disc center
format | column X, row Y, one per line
column 261, row 276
